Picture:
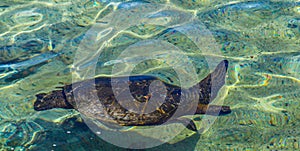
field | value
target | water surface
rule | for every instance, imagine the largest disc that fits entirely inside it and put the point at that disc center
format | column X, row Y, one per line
column 39, row 41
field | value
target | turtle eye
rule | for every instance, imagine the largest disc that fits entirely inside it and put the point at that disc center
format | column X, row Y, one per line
column 41, row 95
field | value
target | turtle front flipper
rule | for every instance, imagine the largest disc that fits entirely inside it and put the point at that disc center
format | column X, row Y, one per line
column 188, row 123
column 213, row 109
column 55, row 99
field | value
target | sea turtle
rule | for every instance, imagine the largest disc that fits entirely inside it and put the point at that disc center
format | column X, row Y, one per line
column 113, row 112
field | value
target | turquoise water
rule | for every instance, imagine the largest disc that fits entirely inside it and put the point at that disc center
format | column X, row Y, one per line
column 41, row 42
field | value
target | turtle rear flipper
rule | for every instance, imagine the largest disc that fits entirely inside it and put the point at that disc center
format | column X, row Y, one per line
column 214, row 110
column 210, row 86
column 55, row 99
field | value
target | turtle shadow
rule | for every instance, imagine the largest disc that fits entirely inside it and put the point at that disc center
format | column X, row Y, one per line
column 188, row 144
column 75, row 135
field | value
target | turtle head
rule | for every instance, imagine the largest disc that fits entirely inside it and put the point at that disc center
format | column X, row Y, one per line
column 55, row 99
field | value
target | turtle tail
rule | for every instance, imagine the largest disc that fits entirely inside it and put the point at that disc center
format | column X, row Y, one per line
column 55, row 99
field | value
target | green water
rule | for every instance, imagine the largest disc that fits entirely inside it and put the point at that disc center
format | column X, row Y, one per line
column 39, row 41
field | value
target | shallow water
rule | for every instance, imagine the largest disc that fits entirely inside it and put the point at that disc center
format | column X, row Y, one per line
column 41, row 42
